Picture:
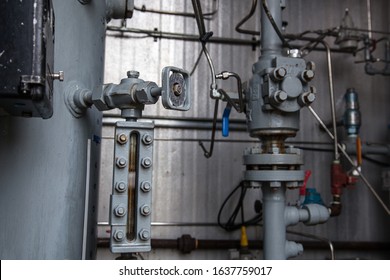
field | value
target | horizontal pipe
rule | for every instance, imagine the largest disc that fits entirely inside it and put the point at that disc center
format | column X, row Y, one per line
column 182, row 36
column 221, row 244
column 254, row 43
column 384, row 150
column 235, row 125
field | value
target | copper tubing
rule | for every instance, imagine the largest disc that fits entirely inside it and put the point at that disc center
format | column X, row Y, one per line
column 359, row 151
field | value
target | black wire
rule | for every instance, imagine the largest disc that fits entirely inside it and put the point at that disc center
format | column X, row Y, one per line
column 199, row 17
column 245, row 19
column 274, row 25
column 209, row 153
column 230, row 225
column 197, row 62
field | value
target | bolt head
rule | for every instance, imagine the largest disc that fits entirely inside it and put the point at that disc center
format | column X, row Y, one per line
column 146, row 162
column 145, row 210
column 308, row 75
column 146, row 186
column 280, row 72
column 120, row 211
column 121, row 162
column 120, row 186
column 144, row 235
column 147, row 139
column 122, row 138
column 119, row 235
column 280, row 96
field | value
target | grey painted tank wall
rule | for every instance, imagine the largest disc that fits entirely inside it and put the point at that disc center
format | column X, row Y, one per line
column 45, row 163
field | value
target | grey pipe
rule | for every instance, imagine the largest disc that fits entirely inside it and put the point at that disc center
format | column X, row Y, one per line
column 270, row 41
column 274, row 229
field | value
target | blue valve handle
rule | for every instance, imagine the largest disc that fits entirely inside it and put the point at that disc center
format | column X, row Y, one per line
column 225, row 120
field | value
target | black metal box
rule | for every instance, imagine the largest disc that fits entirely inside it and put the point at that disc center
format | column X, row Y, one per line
column 26, row 57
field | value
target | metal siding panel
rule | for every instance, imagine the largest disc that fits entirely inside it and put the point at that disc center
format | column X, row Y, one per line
column 190, row 188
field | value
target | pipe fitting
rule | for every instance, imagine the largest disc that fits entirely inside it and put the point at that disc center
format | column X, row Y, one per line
column 293, row 249
column 118, row 9
column 318, row 214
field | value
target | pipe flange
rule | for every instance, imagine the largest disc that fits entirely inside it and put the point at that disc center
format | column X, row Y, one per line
column 274, row 175
column 273, row 159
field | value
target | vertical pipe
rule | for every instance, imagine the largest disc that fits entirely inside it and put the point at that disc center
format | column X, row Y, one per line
column 332, row 100
column 270, row 41
column 369, row 19
column 274, row 230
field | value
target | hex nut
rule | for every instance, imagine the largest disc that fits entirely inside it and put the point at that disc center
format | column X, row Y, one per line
column 145, row 210
column 146, row 186
column 120, row 211
column 119, row 235
column 120, row 186
column 147, row 139
column 280, row 73
column 121, row 162
column 308, row 75
column 121, row 138
column 143, row 95
column 144, row 234
column 146, row 162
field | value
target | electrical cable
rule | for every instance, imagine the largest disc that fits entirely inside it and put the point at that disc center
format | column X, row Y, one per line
column 274, row 25
column 245, row 19
column 197, row 62
column 231, row 224
column 208, row 153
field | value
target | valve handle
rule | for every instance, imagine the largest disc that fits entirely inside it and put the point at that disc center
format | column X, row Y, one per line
column 176, row 89
column 225, row 120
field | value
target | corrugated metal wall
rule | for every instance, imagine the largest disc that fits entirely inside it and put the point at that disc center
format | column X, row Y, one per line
column 190, row 188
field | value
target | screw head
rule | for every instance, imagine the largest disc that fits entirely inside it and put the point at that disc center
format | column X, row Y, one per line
column 120, row 211
column 121, row 162
column 119, row 235
column 120, row 186
column 146, row 162
column 121, row 138
column 144, row 234
column 147, row 139
column 145, row 210
column 146, row 186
